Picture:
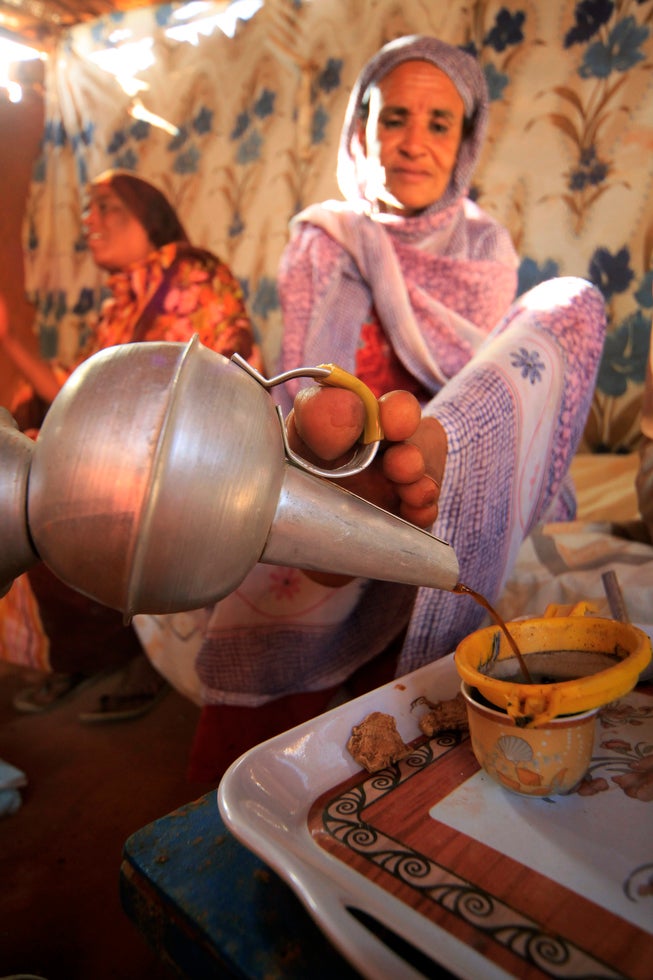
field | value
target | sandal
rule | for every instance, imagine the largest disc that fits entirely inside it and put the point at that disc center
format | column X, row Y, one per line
column 53, row 690
column 124, row 706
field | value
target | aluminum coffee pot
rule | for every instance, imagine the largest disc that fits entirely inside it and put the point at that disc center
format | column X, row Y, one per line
column 162, row 475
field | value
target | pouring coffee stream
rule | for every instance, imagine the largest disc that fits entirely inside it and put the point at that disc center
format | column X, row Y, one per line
column 162, row 475
column 465, row 590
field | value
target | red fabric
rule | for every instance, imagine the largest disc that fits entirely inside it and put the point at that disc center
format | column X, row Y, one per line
column 224, row 732
column 378, row 366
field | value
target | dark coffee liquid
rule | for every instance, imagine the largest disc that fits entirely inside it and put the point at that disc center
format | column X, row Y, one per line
column 465, row 590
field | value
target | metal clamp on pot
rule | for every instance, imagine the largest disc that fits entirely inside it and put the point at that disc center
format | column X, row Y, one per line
column 336, row 377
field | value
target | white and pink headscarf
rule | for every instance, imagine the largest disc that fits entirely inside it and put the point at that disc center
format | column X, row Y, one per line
column 466, row 74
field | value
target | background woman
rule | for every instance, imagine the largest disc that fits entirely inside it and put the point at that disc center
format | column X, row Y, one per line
column 162, row 288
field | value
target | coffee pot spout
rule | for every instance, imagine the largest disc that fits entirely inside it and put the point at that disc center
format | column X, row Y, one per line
column 321, row 527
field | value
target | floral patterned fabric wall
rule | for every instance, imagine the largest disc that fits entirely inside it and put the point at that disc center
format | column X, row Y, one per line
column 242, row 131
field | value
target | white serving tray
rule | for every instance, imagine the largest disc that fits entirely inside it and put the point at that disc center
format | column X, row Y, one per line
column 266, row 795
column 264, row 798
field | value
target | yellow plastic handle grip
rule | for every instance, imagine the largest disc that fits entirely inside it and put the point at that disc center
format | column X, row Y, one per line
column 339, row 378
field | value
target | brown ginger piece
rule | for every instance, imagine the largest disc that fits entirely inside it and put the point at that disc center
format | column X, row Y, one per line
column 445, row 716
column 376, row 743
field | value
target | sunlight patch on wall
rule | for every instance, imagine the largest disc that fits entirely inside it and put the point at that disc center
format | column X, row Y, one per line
column 13, row 54
column 202, row 19
column 126, row 57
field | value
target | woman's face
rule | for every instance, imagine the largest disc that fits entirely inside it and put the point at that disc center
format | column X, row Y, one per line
column 115, row 237
column 412, row 135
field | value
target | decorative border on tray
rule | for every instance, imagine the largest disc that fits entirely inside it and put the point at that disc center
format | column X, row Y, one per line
column 342, row 820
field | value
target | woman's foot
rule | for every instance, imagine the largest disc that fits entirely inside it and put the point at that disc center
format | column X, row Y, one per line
column 52, row 691
column 55, row 689
column 139, row 689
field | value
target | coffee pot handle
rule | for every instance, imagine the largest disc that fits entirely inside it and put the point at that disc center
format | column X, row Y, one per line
column 335, row 377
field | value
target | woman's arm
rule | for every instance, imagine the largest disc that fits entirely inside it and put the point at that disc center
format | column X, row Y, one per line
column 35, row 370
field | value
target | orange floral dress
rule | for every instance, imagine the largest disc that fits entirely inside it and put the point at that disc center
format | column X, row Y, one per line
column 177, row 292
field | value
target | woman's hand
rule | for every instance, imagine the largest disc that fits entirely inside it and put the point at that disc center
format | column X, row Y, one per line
column 405, row 477
column 36, row 371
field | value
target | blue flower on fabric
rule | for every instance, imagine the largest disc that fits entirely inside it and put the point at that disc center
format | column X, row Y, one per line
column 266, row 298
column 60, row 136
column 163, row 14
column 117, row 141
column 242, row 122
column 264, row 105
column 48, row 303
column 178, row 141
column 507, row 30
column 644, row 294
column 319, row 124
column 624, row 355
column 128, row 160
column 48, row 341
column 82, row 171
column 80, row 244
column 611, row 273
column 590, row 171
column 39, row 170
column 84, row 137
column 590, row 15
column 84, row 302
column 32, row 238
column 469, row 48
column 529, row 363
column 531, row 274
column 55, row 133
column 244, row 285
column 61, row 307
column 496, row 82
column 237, row 226
column 250, row 149
column 329, row 77
column 203, row 121
column 187, row 162
column 620, row 52
column 140, row 130
column 97, row 33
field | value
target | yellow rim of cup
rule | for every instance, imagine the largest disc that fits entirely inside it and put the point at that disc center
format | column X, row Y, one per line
column 535, row 704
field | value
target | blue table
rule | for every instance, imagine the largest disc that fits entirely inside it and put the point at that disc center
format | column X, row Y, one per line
column 211, row 908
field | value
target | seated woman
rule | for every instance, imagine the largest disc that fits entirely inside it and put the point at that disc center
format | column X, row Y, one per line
column 410, row 285
column 163, row 288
